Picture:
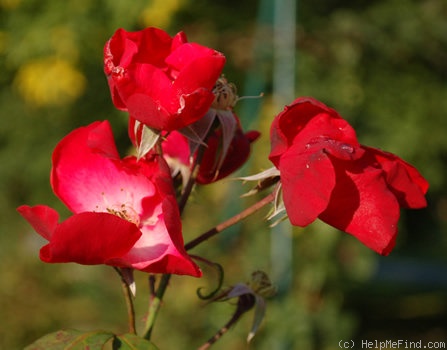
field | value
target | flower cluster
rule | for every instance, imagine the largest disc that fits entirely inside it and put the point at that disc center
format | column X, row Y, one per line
column 126, row 212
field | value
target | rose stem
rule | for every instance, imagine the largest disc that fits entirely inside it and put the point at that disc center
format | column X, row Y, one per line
column 223, row 330
column 129, row 302
column 231, row 221
column 155, row 303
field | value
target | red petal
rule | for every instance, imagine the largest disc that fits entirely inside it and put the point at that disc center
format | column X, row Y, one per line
column 42, row 218
column 307, row 121
column 178, row 39
column 86, row 178
column 90, row 239
column 145, row 109
column 160, row 248
column 307, row 181
column 176, row 146
column 199, row 70
column 100, row 140
column 362, row 205
column 403, row 179
column 150, row 45
column 153, row 44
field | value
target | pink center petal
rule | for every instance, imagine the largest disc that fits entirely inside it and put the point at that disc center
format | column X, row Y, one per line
column 86, row 179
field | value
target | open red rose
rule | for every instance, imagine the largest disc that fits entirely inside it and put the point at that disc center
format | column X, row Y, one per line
column 165, row 83
column 325, row 173
column 125, row 212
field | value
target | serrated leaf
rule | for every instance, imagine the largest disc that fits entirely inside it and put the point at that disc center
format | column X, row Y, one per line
column 96, row 340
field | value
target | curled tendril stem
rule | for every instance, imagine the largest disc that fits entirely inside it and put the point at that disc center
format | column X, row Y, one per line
column 220, row 276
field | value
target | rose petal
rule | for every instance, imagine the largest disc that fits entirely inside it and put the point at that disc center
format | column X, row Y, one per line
column 42, row 218
column 90, row 239
column 403, row 179
column 362, row 205
column 307, row 180
column 307, row 121
column 87, row 179
column 160, row 248
column 176, row 146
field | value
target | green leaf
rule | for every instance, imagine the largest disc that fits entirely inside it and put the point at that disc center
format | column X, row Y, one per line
column 132, row 342
column 95, row 340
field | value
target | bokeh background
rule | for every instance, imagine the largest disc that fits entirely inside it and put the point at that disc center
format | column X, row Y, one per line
column 380, row 63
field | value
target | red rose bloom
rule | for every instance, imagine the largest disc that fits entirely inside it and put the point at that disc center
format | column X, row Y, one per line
column 325, row 173
column 165, row 83
column 125, row 212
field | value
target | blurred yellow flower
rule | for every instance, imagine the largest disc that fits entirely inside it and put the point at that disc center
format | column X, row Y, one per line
column 49, row 81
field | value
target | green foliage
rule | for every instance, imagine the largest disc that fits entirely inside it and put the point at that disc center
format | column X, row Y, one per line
column 76, row 340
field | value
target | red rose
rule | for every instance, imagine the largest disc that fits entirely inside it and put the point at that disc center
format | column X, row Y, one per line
column 325, row 173
column 125, row 212
column 165, row 83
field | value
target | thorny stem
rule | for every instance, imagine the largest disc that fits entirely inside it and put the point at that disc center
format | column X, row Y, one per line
column 231, row 221
column 129, row 302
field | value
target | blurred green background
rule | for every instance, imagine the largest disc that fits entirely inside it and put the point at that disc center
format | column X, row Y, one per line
column 381, row 64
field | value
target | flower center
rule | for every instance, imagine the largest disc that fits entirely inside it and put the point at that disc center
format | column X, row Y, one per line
column 125, row 212
column 121, row 206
